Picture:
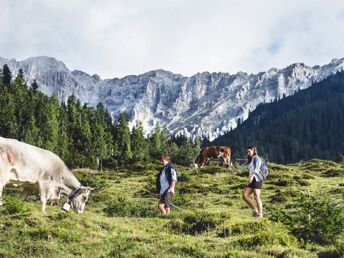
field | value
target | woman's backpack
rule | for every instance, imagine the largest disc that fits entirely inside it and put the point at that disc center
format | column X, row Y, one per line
column 264, row 170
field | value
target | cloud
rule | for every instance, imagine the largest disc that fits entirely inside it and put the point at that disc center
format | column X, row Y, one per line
column 117, row 38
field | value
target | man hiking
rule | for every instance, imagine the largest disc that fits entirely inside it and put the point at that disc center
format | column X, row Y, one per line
column 165, row 184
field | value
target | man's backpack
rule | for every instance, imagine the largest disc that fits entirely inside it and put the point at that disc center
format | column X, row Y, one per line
column 169, row 176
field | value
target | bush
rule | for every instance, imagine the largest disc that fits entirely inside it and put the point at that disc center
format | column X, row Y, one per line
column 242, row 228
column 182, row 200
column 138, row 167
column 308, row 176
column 314, row 219
column 213, row 170
column 334, row 173
column 188, row 251
column 201, row 222
column 281, row 196
column 339, row 245
column 177, row 225
column 122, row 207
column 184, row 177
column 337, row 190
column 278, row 198
column 318, row 220
column 49, row 233
column 121, row 246
column 284, row 182
column 198, row 222
column 262, row 233
column 280, row 215
column 283, row 252
column 239, row 185
column 91, row 180
column 242, row 173
column 14, row 205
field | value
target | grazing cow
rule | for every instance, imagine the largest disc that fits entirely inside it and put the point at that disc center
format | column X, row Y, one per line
column 223, row 152
column 33, row 167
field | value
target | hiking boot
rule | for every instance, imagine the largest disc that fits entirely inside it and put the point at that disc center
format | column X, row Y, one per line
column 255, row 213
column 259, row 215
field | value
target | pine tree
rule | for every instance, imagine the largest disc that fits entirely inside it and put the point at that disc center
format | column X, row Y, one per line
column 123, row 138
column 63, row 146
column 19, row 90
column 186, row 155
column 34, row 85
column 6, row 75
column 138, row 142
column 163, row 141
column 86, row 136
column 3, row 104
column 9, row 125
column 305, row 125
column 32, row 133
column 20, row 79
column 173, row 151
column 183, row 150
column 75, row 158
column 51, row 125
column 102, row 140
column 1, row 77
column 155, row 145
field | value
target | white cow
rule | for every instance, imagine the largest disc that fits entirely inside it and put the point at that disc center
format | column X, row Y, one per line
column 25, row 164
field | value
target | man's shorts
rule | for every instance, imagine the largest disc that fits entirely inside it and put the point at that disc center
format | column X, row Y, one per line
column 166, row 198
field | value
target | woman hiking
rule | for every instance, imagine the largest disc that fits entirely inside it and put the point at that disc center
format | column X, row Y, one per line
column 254, row 183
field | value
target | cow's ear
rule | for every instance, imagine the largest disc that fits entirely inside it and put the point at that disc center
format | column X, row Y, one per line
column 87, row 189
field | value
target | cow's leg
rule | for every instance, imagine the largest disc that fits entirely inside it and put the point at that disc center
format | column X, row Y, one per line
column 1, row 187
column 226, row 162
column 43, row 192
column 47, row 192
column 207, row 162
column 26, row 192
column 54, row 195
column 44, row 202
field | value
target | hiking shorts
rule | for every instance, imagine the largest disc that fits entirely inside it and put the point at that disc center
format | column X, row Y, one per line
column 166, row 198
column 255, row 185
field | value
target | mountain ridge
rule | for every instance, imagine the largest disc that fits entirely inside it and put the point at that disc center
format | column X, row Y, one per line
column 206, row 104
column 303, row 126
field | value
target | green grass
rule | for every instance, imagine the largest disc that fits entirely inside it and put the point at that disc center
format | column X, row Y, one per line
column 122, row 219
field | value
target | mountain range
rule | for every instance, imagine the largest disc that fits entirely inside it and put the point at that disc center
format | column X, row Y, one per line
column 203, row 105
column 306, row 125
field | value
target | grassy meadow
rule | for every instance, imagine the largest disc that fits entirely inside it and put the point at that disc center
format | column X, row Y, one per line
column 303, row 216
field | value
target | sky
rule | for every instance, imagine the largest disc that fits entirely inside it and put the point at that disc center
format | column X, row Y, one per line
column 115, row 38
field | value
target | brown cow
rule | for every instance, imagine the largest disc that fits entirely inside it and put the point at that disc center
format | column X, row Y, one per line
column 223, row 152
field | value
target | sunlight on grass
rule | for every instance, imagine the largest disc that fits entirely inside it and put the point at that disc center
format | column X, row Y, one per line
column 211, row 220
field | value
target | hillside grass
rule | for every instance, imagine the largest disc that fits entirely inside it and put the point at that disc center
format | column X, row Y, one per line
column 211, row 219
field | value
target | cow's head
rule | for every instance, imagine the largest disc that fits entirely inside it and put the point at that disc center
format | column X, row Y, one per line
column 220, row 155
column 79, row 200
column 197, row 162
column 201, row 158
